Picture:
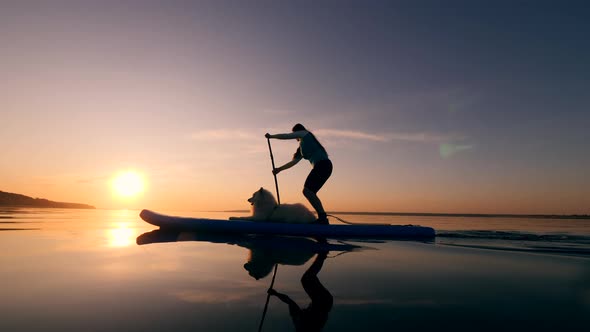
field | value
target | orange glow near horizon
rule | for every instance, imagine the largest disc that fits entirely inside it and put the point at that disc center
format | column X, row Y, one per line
column 128, row 184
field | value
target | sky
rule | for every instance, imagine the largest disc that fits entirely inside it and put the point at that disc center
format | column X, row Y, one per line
column 423, row 106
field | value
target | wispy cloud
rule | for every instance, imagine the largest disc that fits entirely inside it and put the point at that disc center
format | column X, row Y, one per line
column 351, row 134
column 420, row 137
column 424, row 137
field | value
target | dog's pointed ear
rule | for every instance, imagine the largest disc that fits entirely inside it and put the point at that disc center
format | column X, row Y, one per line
column 260, row 189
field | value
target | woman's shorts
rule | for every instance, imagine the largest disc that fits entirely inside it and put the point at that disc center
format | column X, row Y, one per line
column 318, row 175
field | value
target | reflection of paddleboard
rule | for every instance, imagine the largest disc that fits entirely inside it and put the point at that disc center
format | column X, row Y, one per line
column 273, row 243
column 253, row 227
column 265, row 250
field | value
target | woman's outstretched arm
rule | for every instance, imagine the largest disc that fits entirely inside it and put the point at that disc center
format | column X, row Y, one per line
column 293, row 135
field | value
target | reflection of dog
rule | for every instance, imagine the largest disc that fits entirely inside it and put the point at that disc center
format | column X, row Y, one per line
column 265, row 208
column 261, row 261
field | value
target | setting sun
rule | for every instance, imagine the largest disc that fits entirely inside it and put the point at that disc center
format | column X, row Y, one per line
column 128, row 184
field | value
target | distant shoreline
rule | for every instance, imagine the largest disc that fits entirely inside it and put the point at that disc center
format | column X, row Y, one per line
column 455, row 215
column 18, row 200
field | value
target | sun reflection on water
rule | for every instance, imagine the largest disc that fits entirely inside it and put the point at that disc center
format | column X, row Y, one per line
column 121, row 235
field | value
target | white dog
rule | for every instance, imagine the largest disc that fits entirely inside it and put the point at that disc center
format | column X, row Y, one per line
column 265, row 208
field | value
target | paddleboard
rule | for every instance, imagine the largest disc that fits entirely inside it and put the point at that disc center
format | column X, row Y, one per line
column 269, row 228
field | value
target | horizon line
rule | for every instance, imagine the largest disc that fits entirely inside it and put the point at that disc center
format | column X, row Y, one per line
column 434, row 214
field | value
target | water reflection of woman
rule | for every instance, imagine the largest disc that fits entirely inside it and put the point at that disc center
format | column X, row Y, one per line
column 314, row 317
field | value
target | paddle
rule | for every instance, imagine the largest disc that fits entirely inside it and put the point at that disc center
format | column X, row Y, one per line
column 272, row 160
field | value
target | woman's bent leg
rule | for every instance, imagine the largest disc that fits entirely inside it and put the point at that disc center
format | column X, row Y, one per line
column 314, row 182
column 314, row 201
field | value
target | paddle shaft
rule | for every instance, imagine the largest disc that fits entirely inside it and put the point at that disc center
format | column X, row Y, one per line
column 268, row 298
column 272, row 160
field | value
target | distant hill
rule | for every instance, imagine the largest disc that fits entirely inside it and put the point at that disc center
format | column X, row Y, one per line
column 17, row 200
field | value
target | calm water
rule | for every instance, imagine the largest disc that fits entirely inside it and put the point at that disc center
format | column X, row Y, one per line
column 83, row 270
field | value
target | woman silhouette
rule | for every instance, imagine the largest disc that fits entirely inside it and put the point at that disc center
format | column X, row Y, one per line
column 311, row 149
